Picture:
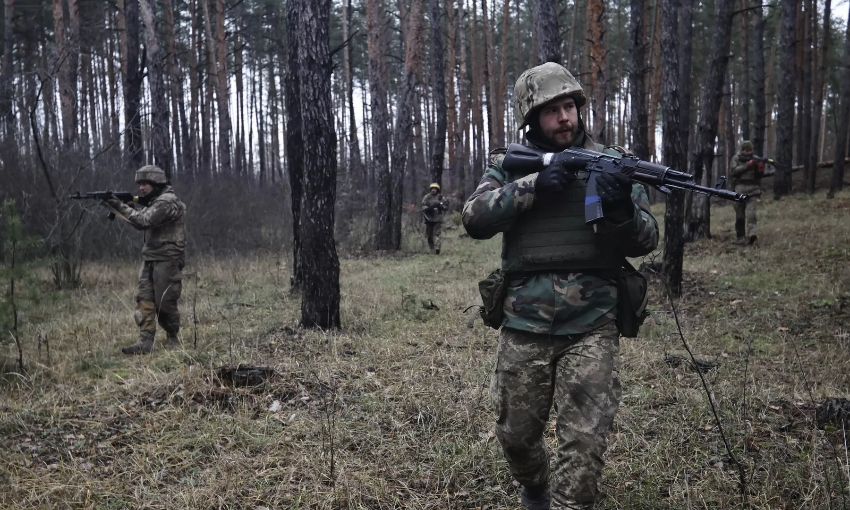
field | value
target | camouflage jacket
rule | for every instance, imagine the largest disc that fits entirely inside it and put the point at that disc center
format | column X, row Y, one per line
column 433, row 207
column 555, row 303
column 163, row 223
column 742, row 173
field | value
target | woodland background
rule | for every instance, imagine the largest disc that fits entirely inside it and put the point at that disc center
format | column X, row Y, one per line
column 420, row 91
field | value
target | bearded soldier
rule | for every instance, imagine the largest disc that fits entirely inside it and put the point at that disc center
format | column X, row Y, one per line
column 559, row 342
column 161, row 217
column 433, row 207
column 746, row 174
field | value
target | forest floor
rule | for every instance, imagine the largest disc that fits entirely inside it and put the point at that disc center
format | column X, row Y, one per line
column 393, row 410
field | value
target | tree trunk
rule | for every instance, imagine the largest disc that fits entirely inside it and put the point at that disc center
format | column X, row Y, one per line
column 451, row 98
column 599, row 68
column 499, row 95
column 380, row 136
column 462, row 142
column 758, row 81
column 785, row 100
column 686, row 38
column 488, row 103
column 132, row 83
column 355, row 166
column 837, row 181
column 806, row 95
column 404, row 118
column 67, row 60
column 546, row 28
column 179, row 125
column 820, row 82
column 320, row 299
column 294, row 141
column 672, row 147
column 159, row 107
column 655, row 84
column 6, row 78
column 438, row 142
column 745, row 71
column 697, row 216
column 799, row 42
column 637, row 80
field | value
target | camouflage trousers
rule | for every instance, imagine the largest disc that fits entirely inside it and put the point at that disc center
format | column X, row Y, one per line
column 160, row 285
column 745, row 212
column 580, row 375
column 432, row 232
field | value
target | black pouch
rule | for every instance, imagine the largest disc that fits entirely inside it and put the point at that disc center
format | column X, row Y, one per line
column 631, row 300
column 493, row 290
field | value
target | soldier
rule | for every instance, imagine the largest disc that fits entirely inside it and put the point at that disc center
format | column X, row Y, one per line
column 160, row 280
column 433, row 207
column 559, row 343
column 746, row 174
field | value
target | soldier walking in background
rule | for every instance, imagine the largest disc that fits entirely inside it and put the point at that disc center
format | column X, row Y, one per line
column 433, row 207
column 163, row 256
column 559, row 343
column 746, row 174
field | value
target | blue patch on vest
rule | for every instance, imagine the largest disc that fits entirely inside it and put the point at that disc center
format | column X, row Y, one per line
column 592, row 200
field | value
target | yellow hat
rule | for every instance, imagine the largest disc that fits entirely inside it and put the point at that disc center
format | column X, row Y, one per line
column 434, row 185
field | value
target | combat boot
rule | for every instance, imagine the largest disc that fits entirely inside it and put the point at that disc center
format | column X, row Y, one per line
column 171, row 341
column 143, row 346
column 535, row 498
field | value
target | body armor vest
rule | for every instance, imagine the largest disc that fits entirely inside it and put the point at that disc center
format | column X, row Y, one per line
column 169, row 239
column 554, row 236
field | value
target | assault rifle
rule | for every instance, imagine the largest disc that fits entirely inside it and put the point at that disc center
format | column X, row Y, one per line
column 760, row 159
column 523, row 159
column 124, row 196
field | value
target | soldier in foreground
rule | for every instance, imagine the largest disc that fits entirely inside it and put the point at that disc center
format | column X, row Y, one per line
column 433, row 207
column 559, row 343
column 746, row 174
column 160, row 280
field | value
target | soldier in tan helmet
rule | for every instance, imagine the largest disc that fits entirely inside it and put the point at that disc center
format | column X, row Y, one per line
column 559, row 343
column 161, row 217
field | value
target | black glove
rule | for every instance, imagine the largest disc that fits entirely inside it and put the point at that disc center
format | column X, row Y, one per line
column 615, row 191
column 112, row 201
column 555, row 178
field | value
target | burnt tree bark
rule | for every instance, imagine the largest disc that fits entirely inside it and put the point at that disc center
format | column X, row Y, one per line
column 320, row 297
column 820, row 81
column 785, row 100
column 686, row 39
column 758, row 81
column 160, row 137
column 293, row 141
column 674, row 242
column 546, row 28
column 836, row 183
column 697, row 215
column 132, row 68
column 637, row 81
column 438, row 142
column 599, row 68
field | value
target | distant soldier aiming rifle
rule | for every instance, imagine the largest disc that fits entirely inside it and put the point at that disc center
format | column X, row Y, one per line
column 433, row 207
column 161, row 216
column 746, row 171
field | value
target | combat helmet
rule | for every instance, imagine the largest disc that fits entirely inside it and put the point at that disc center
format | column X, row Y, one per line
column 541, row 84
column 151, row 173
column 434, row 185
column 746, row 145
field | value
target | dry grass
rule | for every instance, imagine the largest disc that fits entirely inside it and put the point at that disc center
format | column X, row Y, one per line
column 392, row 412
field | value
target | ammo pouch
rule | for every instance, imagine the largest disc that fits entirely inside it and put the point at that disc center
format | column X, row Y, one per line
column 493, row 290
column 631, row 300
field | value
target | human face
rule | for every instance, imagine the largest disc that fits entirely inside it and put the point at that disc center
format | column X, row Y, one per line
column 145, row 188
column 747, row 152
column 559, row 122
column 434, row 191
